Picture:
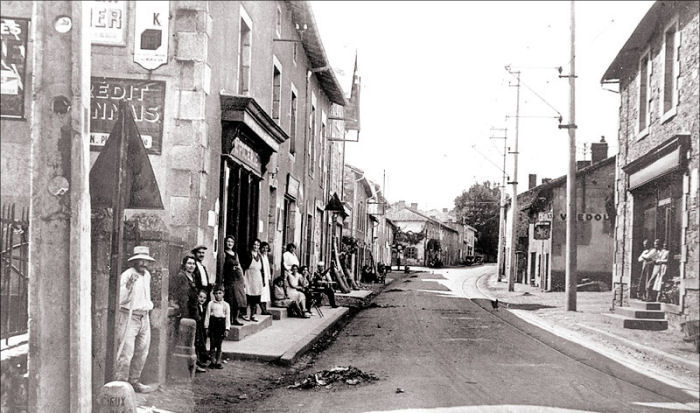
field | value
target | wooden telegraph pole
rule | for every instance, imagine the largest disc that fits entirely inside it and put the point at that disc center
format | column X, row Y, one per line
column 514, row 201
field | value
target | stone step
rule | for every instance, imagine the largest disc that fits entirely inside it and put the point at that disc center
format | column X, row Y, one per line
column 644, row 305
column 355, row 298
column 637, row 313
column 248, row 328
column 636, row 323
column 278, row 313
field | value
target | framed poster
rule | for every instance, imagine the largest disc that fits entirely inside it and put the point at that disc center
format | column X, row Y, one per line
column 146, row 99
column 14, row 33
column 108, row 23
column 151, row 22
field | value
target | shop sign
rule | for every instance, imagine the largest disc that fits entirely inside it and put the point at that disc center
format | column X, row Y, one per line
column 151, row 19
column 588, row 216
column 544, row 216
column 14, row 34
column 246, row 155
column 543, row 230
column 146, row 99
column 108, row 22
column 292, row 186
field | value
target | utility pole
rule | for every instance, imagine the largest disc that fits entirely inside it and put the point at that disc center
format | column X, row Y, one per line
column 502, row 209
column 571, row 277
column 514, row 201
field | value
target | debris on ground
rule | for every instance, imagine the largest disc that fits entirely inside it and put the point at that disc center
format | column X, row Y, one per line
column 525, row 294
column 324, row 378
column 394, row 290
column 400, row 390
column 243, row 396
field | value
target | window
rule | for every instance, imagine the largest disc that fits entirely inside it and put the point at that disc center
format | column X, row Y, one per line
column 278, row 25
column 293, row 123
column 276, row 92
column 410, row 253
column 294, row 53
column 644, row 92
column 310, row 141
column 244, row 53
column 321, row 151
column 671, row 68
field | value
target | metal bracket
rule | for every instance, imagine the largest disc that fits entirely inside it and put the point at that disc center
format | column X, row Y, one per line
column 567, row 126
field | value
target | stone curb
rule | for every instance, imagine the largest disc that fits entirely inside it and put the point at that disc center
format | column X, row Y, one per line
column 300, row 347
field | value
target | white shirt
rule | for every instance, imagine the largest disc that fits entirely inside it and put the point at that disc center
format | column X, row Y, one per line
column 219, row 309
column 289, row 259
column 139, row 295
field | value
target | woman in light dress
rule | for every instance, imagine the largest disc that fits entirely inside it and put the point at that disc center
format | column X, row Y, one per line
column 254, row 278
column 660, row 266
column 267, row 273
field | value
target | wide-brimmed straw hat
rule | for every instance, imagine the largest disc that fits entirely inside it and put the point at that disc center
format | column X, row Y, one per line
column 141, row 253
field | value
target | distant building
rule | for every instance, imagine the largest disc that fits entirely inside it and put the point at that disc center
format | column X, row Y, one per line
column 656, row 183
column 544, row 225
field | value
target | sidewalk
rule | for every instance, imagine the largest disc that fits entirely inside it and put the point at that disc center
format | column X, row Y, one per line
column 661, row 354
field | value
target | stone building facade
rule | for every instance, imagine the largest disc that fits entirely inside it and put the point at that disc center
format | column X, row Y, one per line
column 236, row 103
column 656, row 182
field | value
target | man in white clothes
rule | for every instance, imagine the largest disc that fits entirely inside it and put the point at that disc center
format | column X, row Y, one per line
column 134, row 327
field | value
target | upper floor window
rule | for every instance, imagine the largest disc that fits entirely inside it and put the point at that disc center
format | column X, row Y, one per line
column 670, row 55
column 294, row 52
column 310, row 146
column 244, row 53
column 276, row 92
column 644, row 92
column 293, row 122
column 278, row 24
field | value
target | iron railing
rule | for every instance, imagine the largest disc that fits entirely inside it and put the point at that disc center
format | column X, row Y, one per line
column 14, row 270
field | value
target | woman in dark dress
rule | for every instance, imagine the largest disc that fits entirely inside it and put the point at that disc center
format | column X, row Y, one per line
column 183, row 292
column 234, row 287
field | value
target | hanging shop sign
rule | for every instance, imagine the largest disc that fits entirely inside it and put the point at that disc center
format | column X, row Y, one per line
column 146, row 99
column 151, row 19
column 108, row 22
column 293, row 187
column 543, row 230
column 246, row 155
column 14, row 34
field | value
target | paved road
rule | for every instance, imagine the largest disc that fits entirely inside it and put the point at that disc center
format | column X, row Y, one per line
column 453, row 354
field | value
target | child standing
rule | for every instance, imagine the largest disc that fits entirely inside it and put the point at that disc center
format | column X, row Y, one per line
column 200, row 338
column 217, row 324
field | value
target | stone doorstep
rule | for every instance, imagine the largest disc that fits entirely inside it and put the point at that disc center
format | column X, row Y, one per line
column 355, row 298
column 248, row 328
column 636, row 323
column 644, row 305
column 636, row 313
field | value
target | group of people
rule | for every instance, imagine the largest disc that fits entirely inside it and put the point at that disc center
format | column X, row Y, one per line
column 233, row 298
column 654, row 264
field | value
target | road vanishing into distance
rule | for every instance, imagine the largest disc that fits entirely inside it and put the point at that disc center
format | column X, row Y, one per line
column 436, row 344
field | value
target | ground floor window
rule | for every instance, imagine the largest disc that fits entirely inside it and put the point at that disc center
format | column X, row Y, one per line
column 658, row 216
column 411, row 253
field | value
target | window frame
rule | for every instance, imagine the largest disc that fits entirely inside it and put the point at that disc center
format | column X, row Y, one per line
column 293, row 119
column 675, row 73
column 244, row 19
column 276, row 113
column 642, row 132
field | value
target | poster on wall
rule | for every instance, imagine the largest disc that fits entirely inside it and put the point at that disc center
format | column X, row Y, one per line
column 151, row 19
column 146, row 99
column 14, row 33
column 108, row 23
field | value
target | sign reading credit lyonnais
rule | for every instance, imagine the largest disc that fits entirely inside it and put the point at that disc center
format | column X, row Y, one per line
column 151, row 37
column 146, row 99
column 14, row 34
column 108, row 22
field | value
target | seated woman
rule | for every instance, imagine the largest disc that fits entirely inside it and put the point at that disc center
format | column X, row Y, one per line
column 296, row 288
column 280, row 299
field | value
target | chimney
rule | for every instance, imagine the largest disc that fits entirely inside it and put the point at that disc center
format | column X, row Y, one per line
column 414, row 205
column 599, row 151
column 401, row 204
column 531, row 181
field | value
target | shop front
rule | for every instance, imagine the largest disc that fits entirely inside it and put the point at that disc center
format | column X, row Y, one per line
column 656, row 183
column 249, row 138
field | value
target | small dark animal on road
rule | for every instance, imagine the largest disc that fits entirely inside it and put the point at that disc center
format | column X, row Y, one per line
column 494, row 304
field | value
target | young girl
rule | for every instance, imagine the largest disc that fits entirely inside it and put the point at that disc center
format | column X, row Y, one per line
column 217, row 324
column 200, row 338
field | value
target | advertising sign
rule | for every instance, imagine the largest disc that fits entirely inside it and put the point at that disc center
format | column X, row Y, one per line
column 151, row 37
column 14, row 33
column 108, row 22
column 146, row 99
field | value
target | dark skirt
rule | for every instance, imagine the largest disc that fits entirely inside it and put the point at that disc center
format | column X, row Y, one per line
column 253, row 299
